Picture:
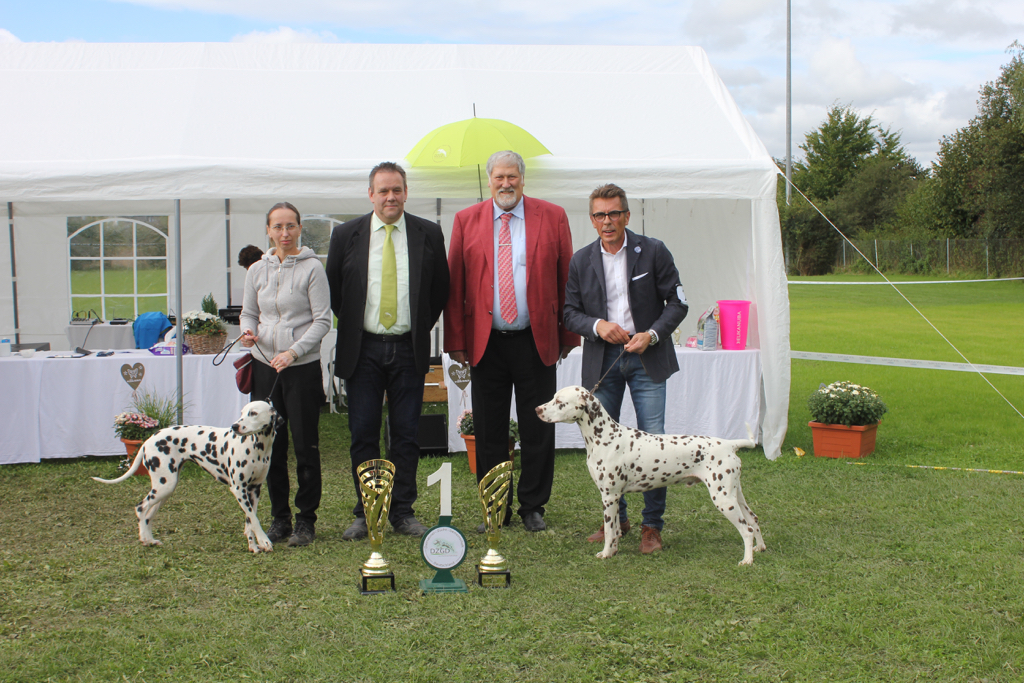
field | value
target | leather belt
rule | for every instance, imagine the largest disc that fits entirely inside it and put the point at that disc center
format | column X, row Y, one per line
column 394, row 338
column 510, row 333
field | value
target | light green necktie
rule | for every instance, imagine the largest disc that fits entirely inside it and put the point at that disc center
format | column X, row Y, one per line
column 388, row 282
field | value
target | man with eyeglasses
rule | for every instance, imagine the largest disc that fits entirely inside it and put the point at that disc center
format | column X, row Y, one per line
column 624, row 298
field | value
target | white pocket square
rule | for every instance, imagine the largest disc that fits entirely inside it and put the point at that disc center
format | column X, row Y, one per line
column 640, row 276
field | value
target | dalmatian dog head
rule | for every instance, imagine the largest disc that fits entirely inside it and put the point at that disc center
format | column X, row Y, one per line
column 257, row 417
column 569, row 405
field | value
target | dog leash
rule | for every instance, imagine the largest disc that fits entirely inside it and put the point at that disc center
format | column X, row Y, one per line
column 223, row 354
column 621, row 354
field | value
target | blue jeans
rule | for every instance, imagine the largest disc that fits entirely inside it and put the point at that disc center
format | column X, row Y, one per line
column 386, row 366
column 649, row 401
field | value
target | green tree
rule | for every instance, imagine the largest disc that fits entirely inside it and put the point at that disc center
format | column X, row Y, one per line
column 979, row 174
column 835, row 151
column 858, row 174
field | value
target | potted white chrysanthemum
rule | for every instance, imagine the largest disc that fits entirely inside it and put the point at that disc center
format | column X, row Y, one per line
column 845, row 419
column 204, row 330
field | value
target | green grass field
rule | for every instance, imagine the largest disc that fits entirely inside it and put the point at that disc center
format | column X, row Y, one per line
column 873, row 572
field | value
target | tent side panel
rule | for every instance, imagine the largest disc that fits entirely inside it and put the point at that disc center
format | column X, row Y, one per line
column 772, row 296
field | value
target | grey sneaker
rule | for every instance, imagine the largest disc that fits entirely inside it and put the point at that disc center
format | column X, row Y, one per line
column 280, row 530
column 409, row 526
column 356, row 530
column 304, row 534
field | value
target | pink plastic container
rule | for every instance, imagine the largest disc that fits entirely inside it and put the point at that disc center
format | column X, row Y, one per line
column 733, row 316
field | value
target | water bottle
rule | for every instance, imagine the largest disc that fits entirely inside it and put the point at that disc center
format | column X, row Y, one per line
column 5, row 347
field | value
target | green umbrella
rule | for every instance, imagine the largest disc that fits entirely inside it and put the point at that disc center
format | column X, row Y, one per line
column 472, row 142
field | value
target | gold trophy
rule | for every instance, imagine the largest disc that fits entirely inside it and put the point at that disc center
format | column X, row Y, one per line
column 494, row 491
column 376, row 478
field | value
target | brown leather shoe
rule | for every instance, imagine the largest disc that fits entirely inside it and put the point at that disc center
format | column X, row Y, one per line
column 598, row 537
column 650, row 540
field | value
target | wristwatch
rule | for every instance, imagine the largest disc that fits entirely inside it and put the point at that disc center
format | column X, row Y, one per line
column 295, row 356
column 654, row 336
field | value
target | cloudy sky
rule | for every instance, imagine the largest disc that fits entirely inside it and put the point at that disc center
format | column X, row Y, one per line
column 915, row 65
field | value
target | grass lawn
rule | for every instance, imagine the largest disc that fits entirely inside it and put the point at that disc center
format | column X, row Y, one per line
column 873, row 572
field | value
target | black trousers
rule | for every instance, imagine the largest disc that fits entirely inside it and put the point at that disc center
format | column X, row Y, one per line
column 386, row 366
column 297, row 397
column 512, row 361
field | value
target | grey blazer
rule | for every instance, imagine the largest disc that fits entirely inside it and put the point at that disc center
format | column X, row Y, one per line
column 656, row 301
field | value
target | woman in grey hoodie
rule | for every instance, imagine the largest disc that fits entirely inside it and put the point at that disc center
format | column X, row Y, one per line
column 286, row 311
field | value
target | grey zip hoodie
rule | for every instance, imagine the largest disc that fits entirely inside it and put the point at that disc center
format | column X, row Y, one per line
column 288, row 305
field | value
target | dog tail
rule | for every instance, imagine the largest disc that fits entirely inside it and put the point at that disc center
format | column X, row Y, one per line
column 131, row 470
column 750, row 442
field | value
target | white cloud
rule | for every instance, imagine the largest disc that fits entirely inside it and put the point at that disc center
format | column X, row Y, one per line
column 916, row 65
column 8, row 37
column 284, row 34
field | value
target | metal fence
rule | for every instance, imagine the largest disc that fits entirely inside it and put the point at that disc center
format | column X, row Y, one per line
column 988, row 258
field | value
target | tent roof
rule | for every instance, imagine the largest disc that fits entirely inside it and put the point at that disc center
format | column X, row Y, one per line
column 224, row 120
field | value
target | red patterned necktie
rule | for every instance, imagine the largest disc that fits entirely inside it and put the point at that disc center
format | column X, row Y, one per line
column 506, row 286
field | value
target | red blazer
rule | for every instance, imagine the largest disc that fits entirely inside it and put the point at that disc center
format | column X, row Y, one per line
column 467, row 317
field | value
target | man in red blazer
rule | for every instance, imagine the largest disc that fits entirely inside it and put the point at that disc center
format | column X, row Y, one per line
column 509, row 262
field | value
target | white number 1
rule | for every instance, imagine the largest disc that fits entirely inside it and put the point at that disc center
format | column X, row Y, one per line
column 443, row 475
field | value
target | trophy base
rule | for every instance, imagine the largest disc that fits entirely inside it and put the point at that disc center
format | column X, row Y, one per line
column 366, row 590
column 454, row 586
column 504, row 577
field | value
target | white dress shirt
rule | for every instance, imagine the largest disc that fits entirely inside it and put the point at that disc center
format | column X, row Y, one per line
column 616, row 285
column 371, row 314
column 517, row 226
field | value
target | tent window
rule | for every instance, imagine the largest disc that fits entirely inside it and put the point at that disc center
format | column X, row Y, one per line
column 316, row 231
column 118, row 266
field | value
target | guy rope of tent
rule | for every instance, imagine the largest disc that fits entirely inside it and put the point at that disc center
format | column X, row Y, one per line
column 472, row 141
column 891, row 284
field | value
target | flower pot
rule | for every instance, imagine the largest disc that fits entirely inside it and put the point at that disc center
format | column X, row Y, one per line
column 206, row 343
column 132, row 446
column 471, row 450
column 840, row 441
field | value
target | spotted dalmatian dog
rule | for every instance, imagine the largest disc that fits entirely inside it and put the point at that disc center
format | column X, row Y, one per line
column 238, row 456
column 622, row 459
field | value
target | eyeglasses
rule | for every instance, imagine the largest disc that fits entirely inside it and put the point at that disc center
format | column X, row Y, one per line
column 614, row 215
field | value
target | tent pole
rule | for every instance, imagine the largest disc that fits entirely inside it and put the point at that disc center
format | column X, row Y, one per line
column 179, row 334
column 227, row 244
column 14, row 271
column 789, row 98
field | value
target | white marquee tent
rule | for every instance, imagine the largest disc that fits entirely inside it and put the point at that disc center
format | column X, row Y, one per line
column 122, row 130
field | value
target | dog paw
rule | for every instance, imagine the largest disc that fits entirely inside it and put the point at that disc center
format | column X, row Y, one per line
column 605, row 555
column 746, row 562
column 760, row 548
column 151, row 542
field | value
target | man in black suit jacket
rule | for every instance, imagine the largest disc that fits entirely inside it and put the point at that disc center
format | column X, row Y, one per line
column 388, row 273
column 624, row 298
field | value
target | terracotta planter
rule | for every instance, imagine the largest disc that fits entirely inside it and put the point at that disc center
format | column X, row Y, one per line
column 471, row 450
column 840, row 441
column 132, row 446
column 206, row 344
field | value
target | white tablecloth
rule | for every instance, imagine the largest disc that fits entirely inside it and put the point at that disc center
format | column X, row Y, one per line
column 715, row 393
column 65, row 407
column 101, row 337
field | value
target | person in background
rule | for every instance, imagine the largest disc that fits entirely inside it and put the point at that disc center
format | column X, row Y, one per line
column 249, row 255
column 625, row 299
column 389, row 282
column 286, row 311
column 509, row 260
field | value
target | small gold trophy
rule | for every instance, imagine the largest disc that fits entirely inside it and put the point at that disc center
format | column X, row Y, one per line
column 494, row 490
column 376, row 478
